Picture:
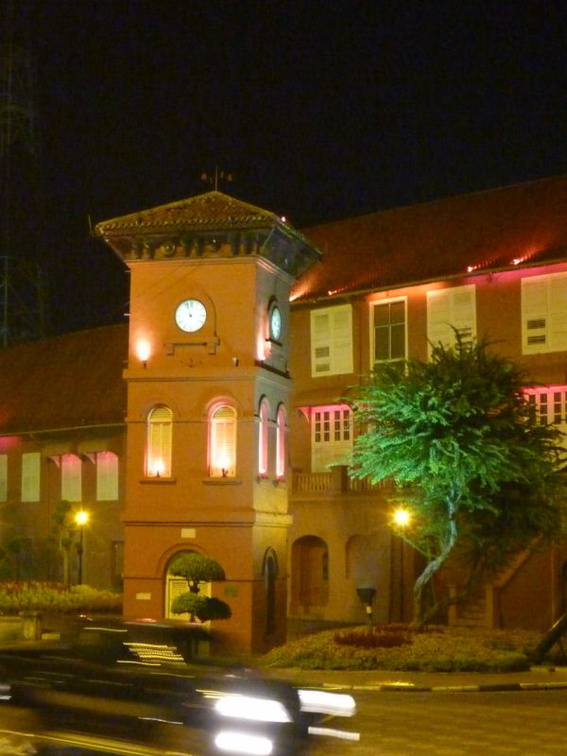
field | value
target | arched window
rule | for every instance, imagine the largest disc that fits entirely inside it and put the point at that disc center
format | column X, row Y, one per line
column 263, row 439
column 280, row 442
column 158, row 451
column 222, row 452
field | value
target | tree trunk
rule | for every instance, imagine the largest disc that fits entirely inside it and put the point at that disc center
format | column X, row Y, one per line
column 421, row 612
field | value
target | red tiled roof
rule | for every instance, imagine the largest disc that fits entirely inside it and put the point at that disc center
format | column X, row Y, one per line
column 212, row 211
column 481, row 231
column 69, row 381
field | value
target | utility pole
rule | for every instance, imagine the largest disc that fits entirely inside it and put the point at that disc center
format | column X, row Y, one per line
column 22, row 289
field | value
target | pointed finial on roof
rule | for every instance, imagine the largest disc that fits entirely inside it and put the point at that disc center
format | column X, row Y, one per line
column 219, row 176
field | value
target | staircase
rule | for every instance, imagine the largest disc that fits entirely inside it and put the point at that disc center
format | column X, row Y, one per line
column 482, row 609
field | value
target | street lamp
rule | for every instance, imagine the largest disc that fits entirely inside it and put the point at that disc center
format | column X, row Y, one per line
column 402, row 518
column 81, row 519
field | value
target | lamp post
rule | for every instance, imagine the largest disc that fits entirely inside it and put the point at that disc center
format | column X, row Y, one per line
column 402, row 518
column 366, row 595
column 81, row 519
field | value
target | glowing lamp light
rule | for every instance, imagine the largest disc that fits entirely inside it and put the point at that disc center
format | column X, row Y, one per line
column 401, row 518
column 223, row 463
column 81, row 518
column 158, row 468
column 143, row 351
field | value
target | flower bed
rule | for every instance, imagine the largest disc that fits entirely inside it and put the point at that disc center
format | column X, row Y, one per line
column 439, row 649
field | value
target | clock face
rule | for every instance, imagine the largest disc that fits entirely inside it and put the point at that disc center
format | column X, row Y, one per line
column 190, row 315
column 275, row 323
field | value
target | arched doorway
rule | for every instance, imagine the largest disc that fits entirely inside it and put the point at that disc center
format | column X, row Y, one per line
column 175, row 585
column 270, row 573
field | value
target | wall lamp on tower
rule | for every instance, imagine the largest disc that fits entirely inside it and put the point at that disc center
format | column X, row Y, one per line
column 143, row 351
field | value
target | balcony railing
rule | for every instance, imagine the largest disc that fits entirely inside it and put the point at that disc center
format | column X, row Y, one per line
column 336, row 480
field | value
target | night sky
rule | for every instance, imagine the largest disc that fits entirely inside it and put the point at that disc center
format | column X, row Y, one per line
column 320, row 110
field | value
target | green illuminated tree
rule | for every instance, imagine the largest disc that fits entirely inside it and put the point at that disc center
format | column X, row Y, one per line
column 197, row 569
column 457, row 437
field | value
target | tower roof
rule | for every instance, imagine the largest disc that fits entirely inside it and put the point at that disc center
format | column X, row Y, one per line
column 212, row 211
column 208, row 225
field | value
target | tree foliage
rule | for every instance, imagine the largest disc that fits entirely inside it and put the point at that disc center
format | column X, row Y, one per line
column 197, row 568
column 63, row 533
column 457, row 437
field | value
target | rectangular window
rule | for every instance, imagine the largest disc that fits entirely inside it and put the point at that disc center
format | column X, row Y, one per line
column 331, row 436
column 31, row 468
column 389, row 329
column 544, row 313
column 71, row 468
column 106, row 476
column 3, row 477
column 548, row 406
column 331, row 341
column 449, row 311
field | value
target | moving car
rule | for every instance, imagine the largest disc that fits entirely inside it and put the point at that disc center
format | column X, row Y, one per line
column 147, row 681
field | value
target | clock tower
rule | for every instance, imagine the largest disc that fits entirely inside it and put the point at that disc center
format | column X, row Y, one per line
column 208, row 405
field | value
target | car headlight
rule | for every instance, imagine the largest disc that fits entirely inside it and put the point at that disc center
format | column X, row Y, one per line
column 251, row 708
column 322, row 702
column 243, row 743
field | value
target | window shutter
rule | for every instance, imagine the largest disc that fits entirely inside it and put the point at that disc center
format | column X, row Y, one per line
column 71, row 468
column 106, row 476
column 450, row 309
column 3, row 477
column 320, row 343
column 535, row 314
column 280, row 444
column 223, row 442
column 30, row 476
column 263, row 439
column 342, row 341
column 331, row 341
column 159, row 442
column 558, row 313
column 438, row 318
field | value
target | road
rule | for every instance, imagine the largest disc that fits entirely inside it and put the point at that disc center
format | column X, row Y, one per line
column 526, row 723
column 458, row 724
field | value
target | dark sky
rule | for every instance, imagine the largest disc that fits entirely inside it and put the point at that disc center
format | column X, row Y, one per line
column 321, row 110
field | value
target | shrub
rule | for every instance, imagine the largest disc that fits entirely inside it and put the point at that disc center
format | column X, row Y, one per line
column 55, row 598
column 439, row 649
column 382, row 636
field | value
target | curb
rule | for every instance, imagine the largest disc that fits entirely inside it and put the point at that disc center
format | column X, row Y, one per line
column 410, row 688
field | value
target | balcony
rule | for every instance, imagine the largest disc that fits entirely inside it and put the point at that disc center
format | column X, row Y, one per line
column 335, row 481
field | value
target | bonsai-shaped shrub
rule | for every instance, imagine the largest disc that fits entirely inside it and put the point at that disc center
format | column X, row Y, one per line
column 196, row 569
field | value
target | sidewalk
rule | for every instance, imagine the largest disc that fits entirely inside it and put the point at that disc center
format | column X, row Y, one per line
column 537, row 678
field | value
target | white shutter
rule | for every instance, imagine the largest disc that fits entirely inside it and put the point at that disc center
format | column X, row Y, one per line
column 223, row 442
column 463, row 312
column 331, row 341
column 31, row 468
column 159, row 442
column 450, row 309
column 535, row 314
column 341, row 344
column 558, row 313
column 438, row 318
column 3, row 477
column 106, row 476
column 320, row 342
column 71, row 468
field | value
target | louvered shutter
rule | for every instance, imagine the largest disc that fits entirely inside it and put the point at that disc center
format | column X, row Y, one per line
column 223, row 442
column 159, row 442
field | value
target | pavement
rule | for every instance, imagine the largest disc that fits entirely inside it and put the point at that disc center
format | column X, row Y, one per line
column 537, row 678
column 544, row 677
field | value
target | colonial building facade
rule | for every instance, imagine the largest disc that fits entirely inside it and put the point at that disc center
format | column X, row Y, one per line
column 216, row 421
